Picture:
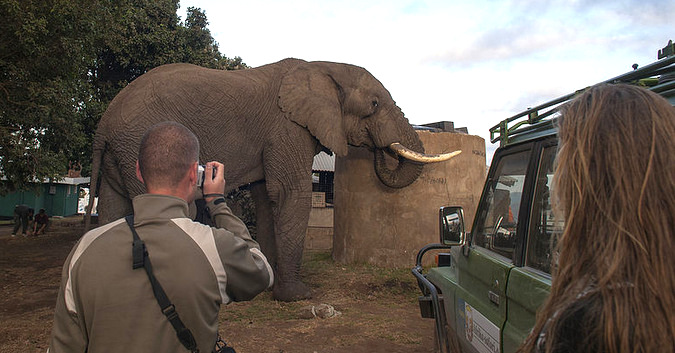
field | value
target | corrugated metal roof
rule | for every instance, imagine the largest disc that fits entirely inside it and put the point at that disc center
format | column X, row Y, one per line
column 323, row 162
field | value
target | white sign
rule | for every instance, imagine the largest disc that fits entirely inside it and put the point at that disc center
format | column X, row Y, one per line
column 479, row 331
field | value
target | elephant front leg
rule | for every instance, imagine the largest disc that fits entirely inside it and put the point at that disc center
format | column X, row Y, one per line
column 264, row 222
column 291, row 205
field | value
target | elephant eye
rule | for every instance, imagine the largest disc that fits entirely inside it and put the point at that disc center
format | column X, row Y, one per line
column 373, row 108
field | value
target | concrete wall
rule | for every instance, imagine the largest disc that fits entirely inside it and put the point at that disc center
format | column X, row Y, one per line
column 320, row 229
column 384, row 226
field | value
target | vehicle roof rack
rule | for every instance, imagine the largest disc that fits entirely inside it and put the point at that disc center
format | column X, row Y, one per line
column 541, row 117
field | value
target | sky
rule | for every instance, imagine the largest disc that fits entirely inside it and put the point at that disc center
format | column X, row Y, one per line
column 471, row 62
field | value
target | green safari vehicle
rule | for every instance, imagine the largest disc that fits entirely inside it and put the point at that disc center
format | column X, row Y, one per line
column 489, row 283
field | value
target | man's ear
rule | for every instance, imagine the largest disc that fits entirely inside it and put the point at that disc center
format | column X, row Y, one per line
column 193, row 173
column 138, row 173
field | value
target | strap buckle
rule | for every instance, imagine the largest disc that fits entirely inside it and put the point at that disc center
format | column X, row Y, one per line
column 170, row 312
column 139, row 253
column 138, row 250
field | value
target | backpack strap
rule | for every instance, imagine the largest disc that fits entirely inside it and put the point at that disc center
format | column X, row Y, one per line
column 141, row 259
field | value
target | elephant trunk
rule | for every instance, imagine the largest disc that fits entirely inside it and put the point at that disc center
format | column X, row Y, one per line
column 406, row 171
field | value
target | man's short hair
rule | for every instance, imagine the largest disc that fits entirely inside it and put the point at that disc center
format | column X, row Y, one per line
column 167, row 151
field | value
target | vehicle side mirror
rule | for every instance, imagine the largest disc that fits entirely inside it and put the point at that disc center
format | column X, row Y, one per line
column 452, row 226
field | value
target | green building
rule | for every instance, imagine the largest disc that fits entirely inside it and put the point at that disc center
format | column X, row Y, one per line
column 58, row 198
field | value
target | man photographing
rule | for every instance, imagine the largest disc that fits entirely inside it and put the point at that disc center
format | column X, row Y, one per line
column 105, row 305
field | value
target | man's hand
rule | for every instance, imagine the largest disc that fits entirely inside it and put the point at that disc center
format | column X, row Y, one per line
column 215, row 185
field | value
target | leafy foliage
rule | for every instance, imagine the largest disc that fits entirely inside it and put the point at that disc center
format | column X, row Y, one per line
column 63, row 61
column 43, row 57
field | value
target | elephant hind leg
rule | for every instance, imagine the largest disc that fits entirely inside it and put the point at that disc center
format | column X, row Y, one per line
column 111, row 204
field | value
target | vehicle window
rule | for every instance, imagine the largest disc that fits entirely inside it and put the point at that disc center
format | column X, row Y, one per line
column 543, row 225
column 496, row 227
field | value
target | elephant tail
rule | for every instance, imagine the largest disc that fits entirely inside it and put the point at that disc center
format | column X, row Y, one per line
column 97, row 159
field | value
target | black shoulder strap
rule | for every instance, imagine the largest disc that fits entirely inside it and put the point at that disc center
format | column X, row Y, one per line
column 141, row 259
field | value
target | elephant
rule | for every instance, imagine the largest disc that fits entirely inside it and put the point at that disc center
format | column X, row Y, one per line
column 265, row 125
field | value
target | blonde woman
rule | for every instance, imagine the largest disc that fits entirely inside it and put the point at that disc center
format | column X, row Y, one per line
column 613, row 288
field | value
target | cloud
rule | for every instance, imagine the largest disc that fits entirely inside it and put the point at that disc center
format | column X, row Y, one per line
column 633, row 13
column 535, row 30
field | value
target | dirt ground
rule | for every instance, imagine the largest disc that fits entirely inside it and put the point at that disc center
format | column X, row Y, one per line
column 378, row 307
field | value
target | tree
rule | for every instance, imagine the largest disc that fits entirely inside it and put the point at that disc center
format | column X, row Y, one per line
column 43, row 88
column 139, row 36
column 148, row 34
column 63, row 61
column 198, row 46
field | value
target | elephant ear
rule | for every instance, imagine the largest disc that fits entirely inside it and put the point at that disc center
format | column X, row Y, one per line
column 311, row 98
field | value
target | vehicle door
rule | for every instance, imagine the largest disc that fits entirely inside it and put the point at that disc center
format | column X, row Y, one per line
column 529, row 282
column 482, row 271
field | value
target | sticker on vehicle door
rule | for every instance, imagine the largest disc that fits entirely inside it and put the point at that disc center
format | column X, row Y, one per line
column 478, row 330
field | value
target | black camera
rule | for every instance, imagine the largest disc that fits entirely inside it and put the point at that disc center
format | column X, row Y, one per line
column 201, row 175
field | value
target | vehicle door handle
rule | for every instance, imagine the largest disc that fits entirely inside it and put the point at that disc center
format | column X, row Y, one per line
column 494, row 297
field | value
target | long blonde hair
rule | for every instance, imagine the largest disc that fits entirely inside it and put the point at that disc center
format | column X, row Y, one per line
column 614, row 185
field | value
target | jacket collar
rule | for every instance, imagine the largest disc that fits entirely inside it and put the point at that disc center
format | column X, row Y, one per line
column 149, row 207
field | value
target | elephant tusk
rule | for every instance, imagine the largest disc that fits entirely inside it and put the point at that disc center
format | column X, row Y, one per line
column 421, row 157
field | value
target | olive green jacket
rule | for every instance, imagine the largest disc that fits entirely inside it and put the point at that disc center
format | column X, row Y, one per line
column 106, row 306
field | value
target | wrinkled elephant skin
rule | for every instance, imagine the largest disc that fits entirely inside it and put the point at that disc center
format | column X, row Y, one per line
column 264, row 124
